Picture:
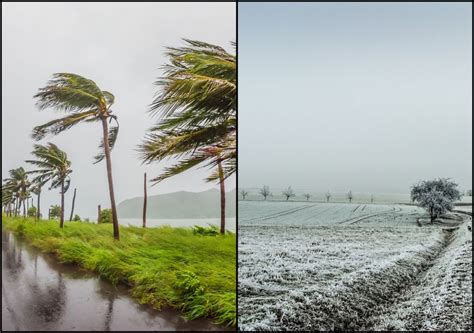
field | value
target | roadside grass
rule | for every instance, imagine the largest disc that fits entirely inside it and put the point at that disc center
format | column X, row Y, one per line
column 164, row 266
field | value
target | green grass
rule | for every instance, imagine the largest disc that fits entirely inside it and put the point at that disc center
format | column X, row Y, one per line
column 164, row 266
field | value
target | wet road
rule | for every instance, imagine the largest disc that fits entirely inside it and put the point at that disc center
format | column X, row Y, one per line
column 40, row 294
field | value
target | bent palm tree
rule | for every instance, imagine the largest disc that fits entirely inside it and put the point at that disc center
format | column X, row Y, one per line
column 197, row 105
column 55, row 167
column 84, row 102
column 8, row 199
column 19, row 185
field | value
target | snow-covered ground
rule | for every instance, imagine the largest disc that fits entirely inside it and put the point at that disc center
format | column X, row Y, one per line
column 323, row 266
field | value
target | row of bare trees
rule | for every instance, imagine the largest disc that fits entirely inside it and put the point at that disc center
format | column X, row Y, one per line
column 289, row 193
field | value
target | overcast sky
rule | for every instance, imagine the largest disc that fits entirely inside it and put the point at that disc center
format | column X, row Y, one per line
column 118, row 45
column 368, row 97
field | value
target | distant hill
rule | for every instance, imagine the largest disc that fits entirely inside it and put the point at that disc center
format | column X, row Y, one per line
column 179, row 205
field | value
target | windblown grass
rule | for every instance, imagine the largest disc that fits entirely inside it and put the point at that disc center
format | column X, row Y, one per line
column 165, row 266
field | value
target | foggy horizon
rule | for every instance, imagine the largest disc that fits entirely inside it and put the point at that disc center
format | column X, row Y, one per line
column 365, row 97
column 123, row 52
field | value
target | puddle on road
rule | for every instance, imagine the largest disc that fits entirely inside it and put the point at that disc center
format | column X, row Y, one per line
column 38, row 293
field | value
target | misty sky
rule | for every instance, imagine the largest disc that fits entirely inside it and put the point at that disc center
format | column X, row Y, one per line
column 368, row 97
column 118, row 45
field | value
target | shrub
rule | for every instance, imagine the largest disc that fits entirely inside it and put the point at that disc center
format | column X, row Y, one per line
column 106, row 216
column 55, row 212
column 32, row 211
column 212, row 230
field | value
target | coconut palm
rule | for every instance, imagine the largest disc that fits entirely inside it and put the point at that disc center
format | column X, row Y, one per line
column 197, row 107
column 82, row 101
column 53, row 166
column 8, row 199
column 19, row 185
column 37, row 186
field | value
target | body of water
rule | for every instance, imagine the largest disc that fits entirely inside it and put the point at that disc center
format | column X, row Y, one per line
column 230, row 222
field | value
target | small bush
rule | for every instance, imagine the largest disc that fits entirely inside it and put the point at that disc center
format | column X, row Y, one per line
column 32, row 211
column 212, row 230
column 76, row 218
column 106, row 216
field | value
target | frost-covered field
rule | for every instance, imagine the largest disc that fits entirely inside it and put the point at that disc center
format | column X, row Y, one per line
column 350, row 266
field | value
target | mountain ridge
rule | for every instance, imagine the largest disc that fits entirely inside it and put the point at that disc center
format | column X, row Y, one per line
column 180, row 204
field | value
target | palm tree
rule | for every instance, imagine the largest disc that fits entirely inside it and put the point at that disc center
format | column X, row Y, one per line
column 37, row 191
column 55, row 167
column 19, row 185
column 83, row 101
column 8, row 199
column 197, row 106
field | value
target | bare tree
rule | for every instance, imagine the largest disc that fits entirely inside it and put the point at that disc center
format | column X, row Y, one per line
column 350, row 196
column 243, row 193
column 265, row 191
column 288, row 193
column 328, row 196
column 307, row 196
column 372, row 199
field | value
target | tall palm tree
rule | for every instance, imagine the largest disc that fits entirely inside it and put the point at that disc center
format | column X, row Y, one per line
column 19, row 184
column 83, row 101
column 197, row 107
column 37, row 186
column 8, row 199
column 53, row 166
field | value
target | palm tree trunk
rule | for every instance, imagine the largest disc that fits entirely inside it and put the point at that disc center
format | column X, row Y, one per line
column 61, row 220
column 72, row 209
column 109, row 176
column 144, row 200
column 24, row 208
column 221, row 183
column 38, row 214
column 98, row 214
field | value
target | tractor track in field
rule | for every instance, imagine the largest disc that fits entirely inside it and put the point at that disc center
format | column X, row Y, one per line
column 357, row 219
column 278, row 214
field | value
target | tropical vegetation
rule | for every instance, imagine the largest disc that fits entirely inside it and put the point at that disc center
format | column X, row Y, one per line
column 82, row 101
column 197, row 107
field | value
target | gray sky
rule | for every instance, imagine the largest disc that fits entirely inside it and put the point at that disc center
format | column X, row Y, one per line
column 118, row 45
column 368, row 97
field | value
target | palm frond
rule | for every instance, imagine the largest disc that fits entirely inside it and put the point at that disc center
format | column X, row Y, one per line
column 179, row 167
column 57, row 126
column 112, row 137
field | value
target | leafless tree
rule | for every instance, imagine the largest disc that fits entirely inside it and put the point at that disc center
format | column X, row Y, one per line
column 328, row 196
column 243, row 193
column 288, row 193
column 307, row 196
column 350, row 196
column 265, row 191
column 372, row 199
